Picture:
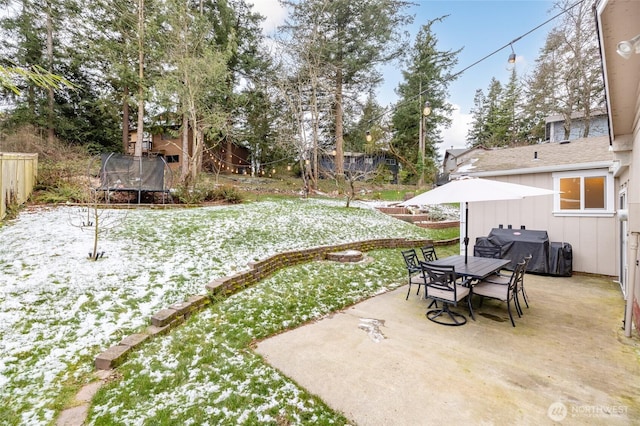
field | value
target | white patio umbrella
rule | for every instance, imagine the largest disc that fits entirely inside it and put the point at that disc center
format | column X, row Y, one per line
column 468, row 189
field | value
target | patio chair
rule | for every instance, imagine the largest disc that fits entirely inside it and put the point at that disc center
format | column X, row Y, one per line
column 502, row 279
column 413, row 269
column 503, row 292
column 442, row 284
column 520, row 285
column 429, row 253
column 494, row 252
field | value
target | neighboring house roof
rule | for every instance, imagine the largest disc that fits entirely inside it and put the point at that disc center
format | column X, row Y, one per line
column 578, row 154
column 454, row 157
column 456, row 152
column 617, row 21
column 575, row 115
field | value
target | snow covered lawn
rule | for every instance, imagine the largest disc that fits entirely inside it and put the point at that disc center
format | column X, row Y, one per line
column 58, row 309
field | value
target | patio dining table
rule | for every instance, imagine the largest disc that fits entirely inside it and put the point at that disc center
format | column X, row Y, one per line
column 475, row 267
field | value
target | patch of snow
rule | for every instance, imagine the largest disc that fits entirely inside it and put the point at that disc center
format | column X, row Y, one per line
column 58, row 309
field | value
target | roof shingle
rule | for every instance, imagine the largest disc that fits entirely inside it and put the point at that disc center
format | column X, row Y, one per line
column 578, row 151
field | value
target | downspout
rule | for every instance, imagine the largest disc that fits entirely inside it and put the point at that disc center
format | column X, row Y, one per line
column 602, row 70
column 628, row 311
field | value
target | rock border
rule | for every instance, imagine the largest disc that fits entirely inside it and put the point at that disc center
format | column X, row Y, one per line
column 168, row 318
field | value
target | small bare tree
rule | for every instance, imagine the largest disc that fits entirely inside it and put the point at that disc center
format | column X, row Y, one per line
column 347, row 182
column 96, row 219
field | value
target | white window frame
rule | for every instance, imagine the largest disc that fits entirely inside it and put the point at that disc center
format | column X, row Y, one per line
column 609, row 208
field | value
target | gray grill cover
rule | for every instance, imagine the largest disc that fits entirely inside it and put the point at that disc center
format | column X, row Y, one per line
column 518, row 243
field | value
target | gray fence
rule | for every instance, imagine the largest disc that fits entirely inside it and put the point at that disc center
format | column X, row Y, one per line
column 18, row 173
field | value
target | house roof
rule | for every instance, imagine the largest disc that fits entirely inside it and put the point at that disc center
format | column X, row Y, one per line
column 574, row 155
column 575, row 115
column 618, row 20
column 456, row 152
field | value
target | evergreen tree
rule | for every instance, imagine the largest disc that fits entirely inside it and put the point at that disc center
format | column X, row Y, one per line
column 355, row 138
column 568, row 77
column 354, row 37
column 477, row 134
column 55, row 89
column 426, row 79
column 497, row 117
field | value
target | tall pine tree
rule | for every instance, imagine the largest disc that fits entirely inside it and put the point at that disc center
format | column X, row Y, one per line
column 426, row 79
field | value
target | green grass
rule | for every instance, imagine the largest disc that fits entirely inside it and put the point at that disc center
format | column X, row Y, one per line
column 71, row 309
column 204, row 372
column 389, row 194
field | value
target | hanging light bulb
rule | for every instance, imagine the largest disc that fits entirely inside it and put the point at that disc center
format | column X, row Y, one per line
column 512, row 56
column 427, row 108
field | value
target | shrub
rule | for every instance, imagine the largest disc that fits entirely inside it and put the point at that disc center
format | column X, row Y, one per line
column 207, row 192
column 228, row 194
column 64, row 192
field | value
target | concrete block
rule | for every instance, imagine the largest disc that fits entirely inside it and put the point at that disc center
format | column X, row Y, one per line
column 111, row 357
column 134, row 340
column 163, row 317
column 154, row 330
column 199, row 300
column 181, row 308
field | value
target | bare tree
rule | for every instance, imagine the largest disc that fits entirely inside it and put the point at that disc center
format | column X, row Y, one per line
column 96, row 219
column 568, row 76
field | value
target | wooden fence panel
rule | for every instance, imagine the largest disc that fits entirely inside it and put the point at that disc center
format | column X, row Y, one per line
column 18, row 172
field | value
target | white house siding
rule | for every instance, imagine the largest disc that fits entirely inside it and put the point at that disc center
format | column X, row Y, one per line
column 633, row 193
column 593, row 239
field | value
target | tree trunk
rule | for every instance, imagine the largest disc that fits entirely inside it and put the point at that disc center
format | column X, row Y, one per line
column 140, row 132
column 50, row 129
column 339, row 127
column 125, row 120
column 184, row 158
column 228, row 156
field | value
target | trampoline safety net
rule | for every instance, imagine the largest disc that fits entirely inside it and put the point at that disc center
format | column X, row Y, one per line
column 120, row 172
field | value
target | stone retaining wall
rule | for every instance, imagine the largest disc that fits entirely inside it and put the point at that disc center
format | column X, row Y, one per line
column 439, row 225
column 174, row 315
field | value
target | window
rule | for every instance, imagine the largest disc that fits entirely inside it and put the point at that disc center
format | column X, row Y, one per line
column 587, row 193
column 172, row 158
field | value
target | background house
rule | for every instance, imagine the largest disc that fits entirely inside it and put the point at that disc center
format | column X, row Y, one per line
column 360, row 164
column 583, row 215
column 224, row 158
column 555, row 131
column 454, row 157
column 618, row 21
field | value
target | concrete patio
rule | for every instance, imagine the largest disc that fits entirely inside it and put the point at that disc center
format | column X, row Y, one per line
column 566, row 361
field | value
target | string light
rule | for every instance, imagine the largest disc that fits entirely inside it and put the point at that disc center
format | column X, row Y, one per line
column 454, row 76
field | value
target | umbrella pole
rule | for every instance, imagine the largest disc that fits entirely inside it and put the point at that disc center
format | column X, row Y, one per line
column 466, row 231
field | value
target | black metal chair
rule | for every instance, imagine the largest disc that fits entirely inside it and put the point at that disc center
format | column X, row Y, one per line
column 413, row 269
column 442, row 284
column 520, row 285
column 505, row 292
column 494, row 252
column 429, row 253
column 498, row 278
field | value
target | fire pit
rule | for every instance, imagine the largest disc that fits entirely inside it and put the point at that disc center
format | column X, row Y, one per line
column 345, row 256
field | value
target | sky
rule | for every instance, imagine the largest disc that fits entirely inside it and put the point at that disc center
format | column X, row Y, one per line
column 479, row 27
